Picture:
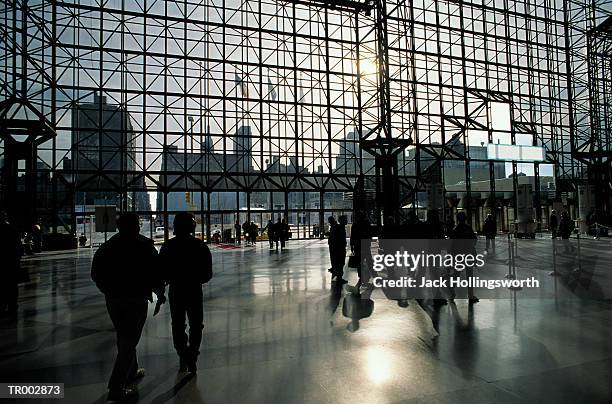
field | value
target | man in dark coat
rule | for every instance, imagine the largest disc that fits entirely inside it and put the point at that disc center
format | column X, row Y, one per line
column 284, row 233
column 270, row 230
column 125, row 269
column 337, row 248
column 238, row 230
column 277, row 229
column 566, row 227
column 463, row 231
column 12, row 250
column 412, row 228
column 489, row 229
column 553, row 222
column 253, row 231
column 246, row 230
column 432, row 227
column 361, row 236
column 186, row 265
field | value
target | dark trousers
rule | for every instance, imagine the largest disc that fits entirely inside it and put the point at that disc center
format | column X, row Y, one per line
column 9, row 293
column 186, row 304
column 128, row 316
column 337, row 258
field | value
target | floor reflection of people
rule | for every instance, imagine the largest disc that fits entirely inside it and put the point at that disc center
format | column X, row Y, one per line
column 334, row 299
column 356, row 308
column 466, row 341
column 566, row 227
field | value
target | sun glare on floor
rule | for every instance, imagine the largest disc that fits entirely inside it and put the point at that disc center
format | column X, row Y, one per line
column 378, row 365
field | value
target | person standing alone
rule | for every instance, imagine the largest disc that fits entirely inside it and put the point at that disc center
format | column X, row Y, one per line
column 186, row 264
column 337, row 248
column 490, row 230
column 553, row 223
column 125, row 269
column 12, row 250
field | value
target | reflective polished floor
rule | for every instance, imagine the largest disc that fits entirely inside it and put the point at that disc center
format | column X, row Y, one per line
column 275, row 332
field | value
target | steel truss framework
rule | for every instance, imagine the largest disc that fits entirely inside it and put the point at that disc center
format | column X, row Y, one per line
column 262, row 96
column 590, row 44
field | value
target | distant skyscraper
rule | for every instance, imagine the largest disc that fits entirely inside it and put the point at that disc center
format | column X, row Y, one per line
column 103, row 143
column 348, row 159
column 102, row 137
column 244, row 144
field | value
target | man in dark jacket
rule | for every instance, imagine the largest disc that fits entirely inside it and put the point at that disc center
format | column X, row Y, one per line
column 553, row 223
column 270, row 229
column 361, row 236
column 566, row 228
column 284, row 233
column 238, row 231
column 337, row 248
column 433, row 228
column 12, row 250
column 277, row 229
column 490, row 231
column 125, row 269
column 186, row 264
column 463, row 231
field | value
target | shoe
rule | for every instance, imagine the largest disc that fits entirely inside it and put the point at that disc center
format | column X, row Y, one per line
column 139, row 374
column 474, row 299
column 183, row 366
column 121, row 395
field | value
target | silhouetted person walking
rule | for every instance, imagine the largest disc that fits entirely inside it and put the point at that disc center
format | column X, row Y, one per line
column 126, row 270
column 433, row 229
column 566, row 227
column 361, row 242
column 337, row 248
column 553, row 223
column 276, row 231
column 463, row 231
column 246, row 230
column 284, row 233
column 412, row 228
column 270, row 230
column 238, row 230
column 253, row 230
column 12, row 250
column 489, row 229
column 186, row 264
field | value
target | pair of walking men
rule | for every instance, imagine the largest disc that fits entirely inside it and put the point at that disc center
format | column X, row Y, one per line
column 128, row 269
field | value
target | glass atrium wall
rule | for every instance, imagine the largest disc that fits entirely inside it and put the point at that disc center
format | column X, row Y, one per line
column 256, row 109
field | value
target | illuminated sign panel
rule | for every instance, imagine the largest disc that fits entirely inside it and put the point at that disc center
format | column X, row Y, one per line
column 514, row 152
